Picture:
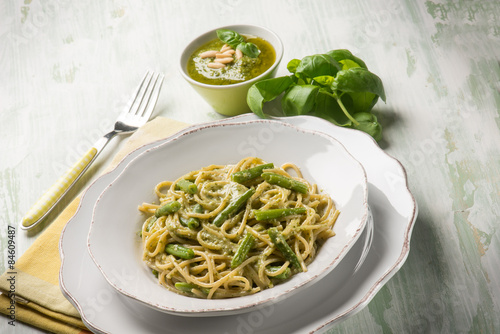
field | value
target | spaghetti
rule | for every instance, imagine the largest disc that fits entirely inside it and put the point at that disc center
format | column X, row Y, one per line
column 233, row 230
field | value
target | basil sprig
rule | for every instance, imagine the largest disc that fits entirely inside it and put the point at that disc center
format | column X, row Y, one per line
column 236, row 41
column 336, row 86
column 249, row 49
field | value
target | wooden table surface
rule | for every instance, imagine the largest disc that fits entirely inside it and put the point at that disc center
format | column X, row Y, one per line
column 67, row 69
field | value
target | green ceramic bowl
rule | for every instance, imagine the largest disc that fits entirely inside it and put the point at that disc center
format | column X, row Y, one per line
column 230, row 100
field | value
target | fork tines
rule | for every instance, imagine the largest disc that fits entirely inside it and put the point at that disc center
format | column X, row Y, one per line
column 147, row 94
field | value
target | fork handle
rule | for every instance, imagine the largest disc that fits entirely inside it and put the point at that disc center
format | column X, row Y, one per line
column 50, row 198
column 54, row 194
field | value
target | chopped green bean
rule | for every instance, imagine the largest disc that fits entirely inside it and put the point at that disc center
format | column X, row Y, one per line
column 281, row 244
column 188, row 287
column 251, row 173
column 179, row 251
column 183, row 221
column 285, row 182
column 241, row 254
column 192, row 222
column 187, row 186
column 198, row 208
column 284, row 275
column 277, row 213
column 168, row 208
column 155, row 272
column 232, row 207
column 185, row 287
column 151, row 220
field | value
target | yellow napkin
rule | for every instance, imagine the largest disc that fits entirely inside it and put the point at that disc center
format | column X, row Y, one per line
column 35, row 278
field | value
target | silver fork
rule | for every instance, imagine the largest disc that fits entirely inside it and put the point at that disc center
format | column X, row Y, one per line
column 129, row 120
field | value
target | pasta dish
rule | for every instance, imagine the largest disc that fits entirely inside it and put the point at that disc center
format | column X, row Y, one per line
column 232, row 230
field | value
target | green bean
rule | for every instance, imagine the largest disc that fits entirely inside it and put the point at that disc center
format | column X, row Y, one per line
column 281, row 244
column 198, row 208
column 251, row 173
column 187, row 186
column 155, row 272
column 188, row 287
column 232, row 207
column 192, row 222
column 284, row 275
column 168, row 208
column 285, row 182
column 183, row 221
column 277, row 213
column 185, row 287
column 151, row 220
column 179, row 251
column 241, row 254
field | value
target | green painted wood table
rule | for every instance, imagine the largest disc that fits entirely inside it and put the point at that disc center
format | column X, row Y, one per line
column 67, row 69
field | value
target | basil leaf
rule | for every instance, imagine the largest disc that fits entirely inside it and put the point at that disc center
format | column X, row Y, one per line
column 249, row 49
column 347, row 64
column 232, row 38
column 299, row 100
column 325, row 80
column 368, row 123
column 362, row 102
column 358, row 80
column 317, row 65
column 265, row 91
column 292, row 65
column 343, row 56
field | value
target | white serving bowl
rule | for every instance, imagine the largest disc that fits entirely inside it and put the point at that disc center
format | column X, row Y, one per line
column 230, row 100
column 116, row 249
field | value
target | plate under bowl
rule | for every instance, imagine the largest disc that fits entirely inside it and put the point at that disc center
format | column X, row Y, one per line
column 116, row 250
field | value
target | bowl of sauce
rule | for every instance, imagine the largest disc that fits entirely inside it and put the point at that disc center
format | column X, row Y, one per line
column 223, row 63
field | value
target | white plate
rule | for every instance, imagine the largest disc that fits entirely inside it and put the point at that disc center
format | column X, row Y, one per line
column 115, row 247
column 333, row 299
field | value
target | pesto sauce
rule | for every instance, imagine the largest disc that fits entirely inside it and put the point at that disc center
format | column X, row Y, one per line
column 237, row 71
